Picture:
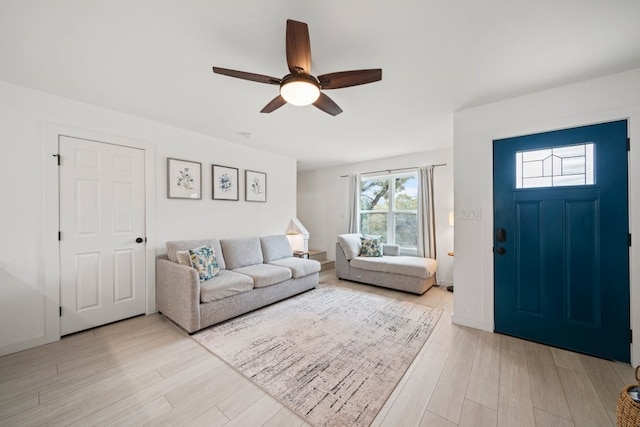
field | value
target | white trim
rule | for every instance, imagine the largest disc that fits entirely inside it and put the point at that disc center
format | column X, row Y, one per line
column 51, row 133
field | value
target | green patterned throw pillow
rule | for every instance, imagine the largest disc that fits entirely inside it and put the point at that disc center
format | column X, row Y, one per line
column 204, row 261
column 371, row 246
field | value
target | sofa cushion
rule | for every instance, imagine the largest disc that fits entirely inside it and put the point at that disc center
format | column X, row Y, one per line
column 371, row 246
column 299, row 267
column 388, row 249
column 405, row 265
column 203, row 259
column 184, row 258
column 275, row 247
column 241, row 252
column 265, row 274
column 226, row 284
column 185, row 245
column 350, row 244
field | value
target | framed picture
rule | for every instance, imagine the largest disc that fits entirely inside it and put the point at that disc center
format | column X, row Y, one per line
column 224, row 182
column 184, row 179
column 255, row 186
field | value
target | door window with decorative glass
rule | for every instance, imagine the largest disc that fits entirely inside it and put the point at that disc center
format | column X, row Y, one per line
column 389, row 208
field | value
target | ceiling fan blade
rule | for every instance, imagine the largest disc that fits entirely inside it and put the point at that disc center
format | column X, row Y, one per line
column 275, row 103
column 349, row 78
column 327, row 105
column 298, row 47
column 260, row 78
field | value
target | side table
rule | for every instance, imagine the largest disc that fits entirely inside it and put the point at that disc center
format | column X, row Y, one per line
column 450, row 287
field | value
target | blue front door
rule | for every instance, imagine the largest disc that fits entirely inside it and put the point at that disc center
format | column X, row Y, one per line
column 561, row 239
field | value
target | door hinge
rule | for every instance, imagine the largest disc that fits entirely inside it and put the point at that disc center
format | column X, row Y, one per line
column 60, row 311
column 59, row 236
column 628, row 144
column 629, row 239
column 631, row 335
column 58, row 156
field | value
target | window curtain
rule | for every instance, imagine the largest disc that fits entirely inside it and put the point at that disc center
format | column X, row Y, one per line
column 426, row 214
column 354, row 203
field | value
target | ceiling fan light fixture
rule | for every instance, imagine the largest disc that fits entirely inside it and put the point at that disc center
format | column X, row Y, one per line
column 300, row 90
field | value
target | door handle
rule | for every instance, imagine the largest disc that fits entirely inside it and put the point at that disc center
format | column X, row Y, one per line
column 500, row 250
column 140, row 240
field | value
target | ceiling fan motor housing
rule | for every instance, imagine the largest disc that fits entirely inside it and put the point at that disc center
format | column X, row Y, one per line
column 300, row 89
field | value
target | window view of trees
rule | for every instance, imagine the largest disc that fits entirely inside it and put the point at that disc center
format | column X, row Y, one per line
column 388, row 208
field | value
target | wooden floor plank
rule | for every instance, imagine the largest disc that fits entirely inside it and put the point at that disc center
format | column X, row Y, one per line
column 604, row 379
column 237, row 402
column 567, row 360
column 545, row 419
column 262, row 409
column 484, row 387
column 415, row 394
column 131, row 404
column 445, row 332
column 212, row 417
column 625, row 372
column 19, row 406
column 476, row 415
column 448, row 397
column 429, row 419
column 138, row 416
column 148, row 357
column 24, row 386
column 546, row 388
column 515, row 407
column 79, row 404
column 284, row 418
column 585, row 405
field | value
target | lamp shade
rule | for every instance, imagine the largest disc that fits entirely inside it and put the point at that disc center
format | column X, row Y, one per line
column 300, row 90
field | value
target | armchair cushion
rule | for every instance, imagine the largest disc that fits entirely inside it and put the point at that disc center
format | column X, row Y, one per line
column 350, row 244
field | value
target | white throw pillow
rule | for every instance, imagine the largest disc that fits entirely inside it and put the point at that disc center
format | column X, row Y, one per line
column 184, row 258
column 350, row 244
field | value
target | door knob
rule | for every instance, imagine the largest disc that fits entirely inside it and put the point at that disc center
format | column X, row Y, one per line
column 139, row 240
column 500, row 251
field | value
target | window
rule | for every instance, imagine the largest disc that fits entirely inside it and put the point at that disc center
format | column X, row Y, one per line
column 389, row 208
column 555, row 167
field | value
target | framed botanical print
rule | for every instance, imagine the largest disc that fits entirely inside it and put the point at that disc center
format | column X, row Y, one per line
column 184, row 179
column 255, row 186
column 224, row 182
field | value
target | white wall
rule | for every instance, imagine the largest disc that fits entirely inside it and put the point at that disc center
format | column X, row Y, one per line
column 323, row 201
column 24, row 116
column 600, row 100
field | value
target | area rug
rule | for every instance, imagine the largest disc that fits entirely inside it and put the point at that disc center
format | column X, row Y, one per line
column 332, row 355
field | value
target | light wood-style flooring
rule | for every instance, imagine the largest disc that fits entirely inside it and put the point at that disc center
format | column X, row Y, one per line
column 146, row 371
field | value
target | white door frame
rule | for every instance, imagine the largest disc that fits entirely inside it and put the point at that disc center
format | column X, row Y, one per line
column 51, row 133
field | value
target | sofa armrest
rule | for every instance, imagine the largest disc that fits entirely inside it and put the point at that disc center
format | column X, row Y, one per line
column 342, row 264
column 390, row 250
column 178, row 294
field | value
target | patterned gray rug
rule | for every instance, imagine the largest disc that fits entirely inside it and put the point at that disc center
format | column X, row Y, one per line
column 332, row 355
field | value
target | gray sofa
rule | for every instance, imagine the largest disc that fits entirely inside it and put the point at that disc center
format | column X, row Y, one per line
column 254, row 272
column 404, row 273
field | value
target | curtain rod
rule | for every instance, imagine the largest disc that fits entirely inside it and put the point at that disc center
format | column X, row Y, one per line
column 392, row 170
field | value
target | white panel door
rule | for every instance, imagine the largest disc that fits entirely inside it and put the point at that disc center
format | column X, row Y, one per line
column 102, row 210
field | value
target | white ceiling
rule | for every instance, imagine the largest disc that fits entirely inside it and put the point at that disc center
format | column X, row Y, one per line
column 153, row 59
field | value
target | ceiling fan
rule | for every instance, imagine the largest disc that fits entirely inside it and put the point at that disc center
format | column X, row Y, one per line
column 300, row 87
